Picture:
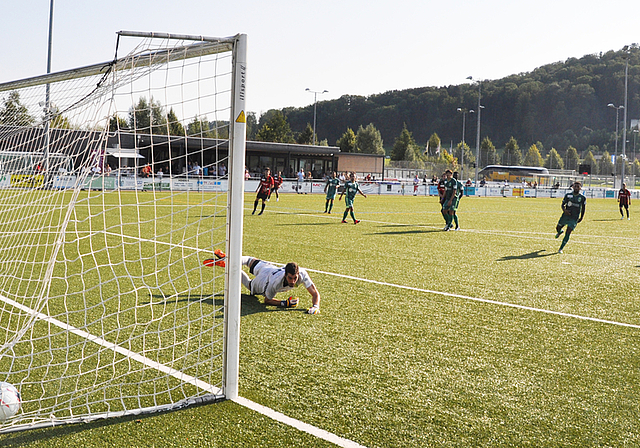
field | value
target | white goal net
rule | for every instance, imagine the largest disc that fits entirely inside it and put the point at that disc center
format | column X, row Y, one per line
column 117, row 181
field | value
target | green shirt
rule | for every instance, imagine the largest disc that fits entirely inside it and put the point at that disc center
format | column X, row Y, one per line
column 331, row 186
column 351, row 189
column 451, row 188
column 574, row 203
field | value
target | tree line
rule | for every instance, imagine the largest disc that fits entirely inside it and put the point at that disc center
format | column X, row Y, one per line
column 560, row 108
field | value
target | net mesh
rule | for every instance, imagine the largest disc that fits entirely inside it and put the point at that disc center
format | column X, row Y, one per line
column 112, row 193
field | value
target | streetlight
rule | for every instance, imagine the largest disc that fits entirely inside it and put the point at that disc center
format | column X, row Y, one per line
column 315, row 102
column 625, row 49
column 464, row 119
column 480, row 107
column 616, row 150
column 48, row 117
column 635, row 135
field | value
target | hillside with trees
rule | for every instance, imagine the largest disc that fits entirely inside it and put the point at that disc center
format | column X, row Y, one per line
column 556, row 114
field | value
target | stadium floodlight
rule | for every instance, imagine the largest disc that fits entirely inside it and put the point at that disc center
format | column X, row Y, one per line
column 625, row 55
column 315, row 102
column 617, row 108
column 106, row 308
column 479, row 112
column 464, row 119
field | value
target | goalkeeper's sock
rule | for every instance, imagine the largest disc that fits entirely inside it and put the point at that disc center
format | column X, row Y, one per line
column 565, row 240
column 330, row 206
column 353, row 216
column 344, row 217
column 455, row 218
column 326, row 206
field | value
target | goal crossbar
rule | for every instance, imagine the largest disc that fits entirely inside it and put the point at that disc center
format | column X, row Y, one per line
column 208, row 46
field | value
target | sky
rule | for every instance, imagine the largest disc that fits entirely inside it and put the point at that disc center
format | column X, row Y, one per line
column 347, row 47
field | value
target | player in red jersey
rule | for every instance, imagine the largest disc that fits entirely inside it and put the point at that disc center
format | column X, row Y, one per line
column 277, row 181
column 264, row 190
column 624, row 200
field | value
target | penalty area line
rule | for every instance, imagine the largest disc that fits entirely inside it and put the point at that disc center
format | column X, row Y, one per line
column 304, row 427
column 481, row 300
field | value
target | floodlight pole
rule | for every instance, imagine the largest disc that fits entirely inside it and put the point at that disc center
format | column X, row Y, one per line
column 480, row 107
column 616, row 147
column 624, row 128
column 464, row 120
column 47, row 117
column 315, row 102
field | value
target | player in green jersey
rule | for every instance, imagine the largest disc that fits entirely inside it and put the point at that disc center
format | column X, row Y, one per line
column 573, row 208
column 459, row 194
column 331, row 189
column 451, row 198
column 351, row 188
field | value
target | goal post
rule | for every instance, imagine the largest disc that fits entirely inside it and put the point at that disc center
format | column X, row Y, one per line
column 117, row 180
column 235, row 221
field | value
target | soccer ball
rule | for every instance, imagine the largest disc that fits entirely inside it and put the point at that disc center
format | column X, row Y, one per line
column 9, row 401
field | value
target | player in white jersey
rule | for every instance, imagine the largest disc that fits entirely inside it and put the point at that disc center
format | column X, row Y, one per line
column 270, row 280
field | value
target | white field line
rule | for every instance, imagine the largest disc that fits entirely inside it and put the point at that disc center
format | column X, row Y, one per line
column 304, row 427
column 477, row 299
column 268, row 412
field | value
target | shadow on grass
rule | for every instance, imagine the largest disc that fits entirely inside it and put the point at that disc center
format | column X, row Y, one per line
column 407, row 229
column 250, row 304
column 28, row 437
column 307, row 224
column 529, row 256
column 606, row 220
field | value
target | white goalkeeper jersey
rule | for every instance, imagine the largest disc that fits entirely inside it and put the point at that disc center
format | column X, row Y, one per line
column 269, row 280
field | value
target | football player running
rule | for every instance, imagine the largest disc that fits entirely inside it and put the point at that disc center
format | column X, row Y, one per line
column 351, row 188
column 573, row 208
column 264, row 190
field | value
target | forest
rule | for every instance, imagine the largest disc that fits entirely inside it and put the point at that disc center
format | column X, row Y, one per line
column 561, row 106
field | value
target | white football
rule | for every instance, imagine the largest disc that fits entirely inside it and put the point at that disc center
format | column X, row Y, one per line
column 9, row 401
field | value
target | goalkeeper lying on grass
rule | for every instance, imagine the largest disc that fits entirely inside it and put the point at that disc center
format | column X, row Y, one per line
column 269, row 280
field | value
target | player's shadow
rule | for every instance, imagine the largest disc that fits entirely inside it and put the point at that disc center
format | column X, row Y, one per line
column 406, row 230
column 297, row 224
column 529, row 256
column 606, row 220
column 249, row 304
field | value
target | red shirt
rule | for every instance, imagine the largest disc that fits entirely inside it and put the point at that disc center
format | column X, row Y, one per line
column 266, row 184
column 623, row 196
column 277, row 181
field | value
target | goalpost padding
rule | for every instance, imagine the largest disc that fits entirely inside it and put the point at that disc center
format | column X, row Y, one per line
column 105, row 306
